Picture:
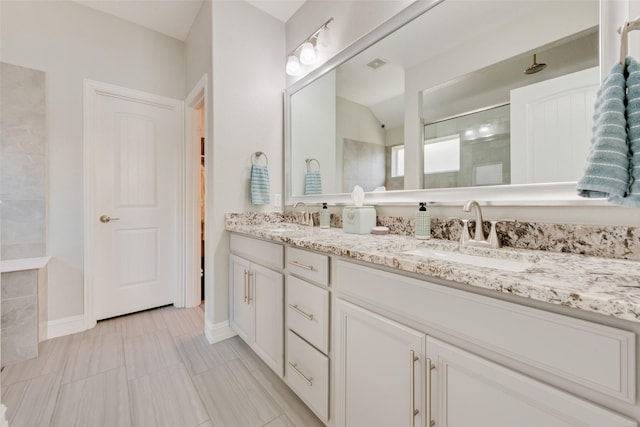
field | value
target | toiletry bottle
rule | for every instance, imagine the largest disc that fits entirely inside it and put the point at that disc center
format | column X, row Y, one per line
column 325, row 216
column 423, row 222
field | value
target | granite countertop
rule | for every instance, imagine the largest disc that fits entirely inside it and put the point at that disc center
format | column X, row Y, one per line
column 602, row 285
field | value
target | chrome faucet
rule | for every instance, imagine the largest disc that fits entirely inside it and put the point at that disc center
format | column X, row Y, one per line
column 479, row 234
column 492, row 241
column 307, row 218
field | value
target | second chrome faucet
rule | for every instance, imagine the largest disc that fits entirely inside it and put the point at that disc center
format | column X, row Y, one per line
column 479, row 239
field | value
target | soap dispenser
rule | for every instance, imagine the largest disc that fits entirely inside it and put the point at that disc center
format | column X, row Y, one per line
column 423, row 222
column 325, row 216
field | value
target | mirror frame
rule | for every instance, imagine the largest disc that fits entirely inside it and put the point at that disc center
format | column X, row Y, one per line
column 612, row 14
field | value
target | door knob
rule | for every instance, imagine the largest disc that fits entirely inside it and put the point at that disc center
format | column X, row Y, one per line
column 107, row 218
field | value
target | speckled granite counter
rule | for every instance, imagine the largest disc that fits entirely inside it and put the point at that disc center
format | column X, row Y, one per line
column 607, row 286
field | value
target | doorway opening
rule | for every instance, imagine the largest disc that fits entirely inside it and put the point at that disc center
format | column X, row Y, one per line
column 202, row 198
column 195, row 167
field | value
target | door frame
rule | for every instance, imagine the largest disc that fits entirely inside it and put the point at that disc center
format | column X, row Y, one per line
column 93, row 89
column 197, row 98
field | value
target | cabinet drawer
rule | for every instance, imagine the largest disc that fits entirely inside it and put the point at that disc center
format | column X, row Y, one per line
column 265, row 253
column 309, row 265
column 308, row 312
column 594, row 356
column 308, row 375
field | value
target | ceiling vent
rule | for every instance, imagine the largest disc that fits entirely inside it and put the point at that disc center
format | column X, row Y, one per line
column 377, row 63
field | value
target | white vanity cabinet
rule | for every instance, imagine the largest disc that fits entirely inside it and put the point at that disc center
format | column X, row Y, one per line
column 386, row 372
column 464, row 390
column 257, row 297
column 379, row 370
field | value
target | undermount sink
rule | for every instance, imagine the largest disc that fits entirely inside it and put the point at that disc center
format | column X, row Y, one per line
column 283, row 227
column 479, row 261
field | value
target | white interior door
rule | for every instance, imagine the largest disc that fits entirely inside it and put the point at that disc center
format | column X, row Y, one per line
column 135, row 203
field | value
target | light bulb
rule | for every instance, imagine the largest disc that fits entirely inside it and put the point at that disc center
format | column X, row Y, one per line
column 293, row 65
column 307, row 54
column 324, row 38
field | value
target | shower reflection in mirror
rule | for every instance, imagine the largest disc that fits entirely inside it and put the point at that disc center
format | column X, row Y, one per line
column 469, row 150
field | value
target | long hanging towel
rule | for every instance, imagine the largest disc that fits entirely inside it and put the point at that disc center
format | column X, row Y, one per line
column 259, row 182
column 607, row 170
column 632, row 197
column 312, row 179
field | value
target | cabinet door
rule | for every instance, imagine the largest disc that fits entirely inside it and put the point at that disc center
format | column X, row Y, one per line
column 379, row 370
column 239, row 299
column 267, row 298
column 467, row 390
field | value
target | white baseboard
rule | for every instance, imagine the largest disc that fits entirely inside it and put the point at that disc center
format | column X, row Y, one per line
column 216, row 332
column 3, row 416
column 65, row 326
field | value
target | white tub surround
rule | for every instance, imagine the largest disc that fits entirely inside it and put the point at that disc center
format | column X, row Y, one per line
column 24, row 307
column 601, row 285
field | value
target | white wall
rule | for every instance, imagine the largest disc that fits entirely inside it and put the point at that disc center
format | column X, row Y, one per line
column 313, row 125
column 70, row 43
column 248, row 85
column 197, row 48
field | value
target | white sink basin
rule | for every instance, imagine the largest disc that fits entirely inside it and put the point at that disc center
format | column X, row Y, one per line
column 283, row 228
column 479, row 261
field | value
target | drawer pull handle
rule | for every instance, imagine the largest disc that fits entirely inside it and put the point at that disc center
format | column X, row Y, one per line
column 246, row 281
column 294, row 366
column 412, row 371
column 306, row 267
column 249, row 274
column 430, row 367
column 295, row 308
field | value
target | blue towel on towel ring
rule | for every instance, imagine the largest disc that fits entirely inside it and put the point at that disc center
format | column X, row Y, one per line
column 607, row 170
column 312, row 183
column 259, row 185
column 631, row 198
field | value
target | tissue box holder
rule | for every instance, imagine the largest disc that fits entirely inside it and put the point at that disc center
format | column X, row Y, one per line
column 358, row 219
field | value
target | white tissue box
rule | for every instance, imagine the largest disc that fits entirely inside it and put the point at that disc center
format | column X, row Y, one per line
column 358, row 219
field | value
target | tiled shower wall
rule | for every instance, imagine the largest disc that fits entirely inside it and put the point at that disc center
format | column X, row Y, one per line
column 23, row 189
column 23, row 166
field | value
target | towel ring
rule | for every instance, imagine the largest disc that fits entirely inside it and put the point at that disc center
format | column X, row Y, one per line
column 623, row 30
column 255, row 158
column 309, row 164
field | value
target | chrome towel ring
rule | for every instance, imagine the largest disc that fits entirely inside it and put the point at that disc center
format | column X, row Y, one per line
column 255, row 158
column 309, row 161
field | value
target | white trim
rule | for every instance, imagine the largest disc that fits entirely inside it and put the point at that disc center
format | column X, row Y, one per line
column 189, row 294
column 65, row 326
column 216, row 332
column 3, row 416
column 92, row 89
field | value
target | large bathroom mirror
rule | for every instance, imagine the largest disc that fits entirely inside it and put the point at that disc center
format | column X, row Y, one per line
column 452, row 104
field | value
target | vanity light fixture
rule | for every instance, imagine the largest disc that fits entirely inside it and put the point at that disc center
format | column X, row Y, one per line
column 293, row 66
column 308, row 55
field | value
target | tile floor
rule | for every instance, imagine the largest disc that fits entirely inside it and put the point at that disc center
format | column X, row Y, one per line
column 153, row 368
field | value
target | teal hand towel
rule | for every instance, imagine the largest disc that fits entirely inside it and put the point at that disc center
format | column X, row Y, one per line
column 312, row 183
column 259, row 185
column 632, row 197
column 607, row 170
